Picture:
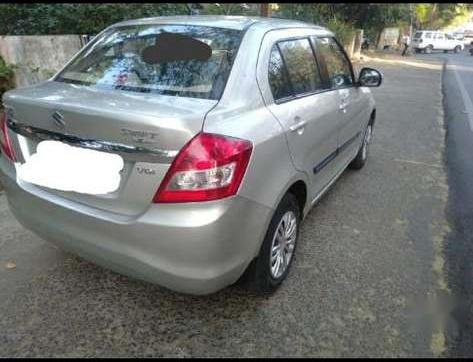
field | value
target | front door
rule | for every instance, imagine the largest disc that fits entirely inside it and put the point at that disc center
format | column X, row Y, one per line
column 353, row 107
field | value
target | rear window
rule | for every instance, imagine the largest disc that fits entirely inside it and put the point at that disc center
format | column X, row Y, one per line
column 179, row 60
column 418, row 35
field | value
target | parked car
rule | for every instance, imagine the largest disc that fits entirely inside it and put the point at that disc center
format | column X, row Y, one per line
column 428, row 40
column 186, row 151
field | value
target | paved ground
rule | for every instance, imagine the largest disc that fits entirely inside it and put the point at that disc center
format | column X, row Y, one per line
column 368, row 266
column 458, row 93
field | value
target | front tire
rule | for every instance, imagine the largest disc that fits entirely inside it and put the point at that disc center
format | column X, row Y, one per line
column 428, row 49
column 362, row 156
column 271, row 267
column 457, row 49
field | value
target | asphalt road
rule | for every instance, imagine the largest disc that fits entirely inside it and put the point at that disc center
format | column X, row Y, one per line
column 458, row 96
column 367, row 276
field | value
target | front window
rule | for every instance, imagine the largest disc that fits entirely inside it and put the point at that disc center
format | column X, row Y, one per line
column 178, row 60
column 338, row 65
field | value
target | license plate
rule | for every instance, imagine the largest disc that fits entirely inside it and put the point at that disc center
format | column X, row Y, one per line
column 66, row 168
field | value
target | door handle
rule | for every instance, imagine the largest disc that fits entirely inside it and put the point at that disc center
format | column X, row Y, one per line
column 297, row 126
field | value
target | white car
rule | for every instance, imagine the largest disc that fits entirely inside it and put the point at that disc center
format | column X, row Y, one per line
column 428, row 40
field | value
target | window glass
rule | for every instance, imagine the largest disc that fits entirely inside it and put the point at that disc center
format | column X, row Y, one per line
column 301, row 66
column 178, row 60
column 428, row 35
column 418, row 35
column 278, row 81
column 338, row 66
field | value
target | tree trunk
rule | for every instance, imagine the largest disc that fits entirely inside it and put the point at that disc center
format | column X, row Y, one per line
column 265, row 10
column 432, row 14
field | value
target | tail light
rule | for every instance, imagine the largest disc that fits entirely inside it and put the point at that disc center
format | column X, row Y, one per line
column 5, row 144
column 209, row 167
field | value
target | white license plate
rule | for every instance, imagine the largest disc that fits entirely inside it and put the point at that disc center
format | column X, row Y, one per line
column 62, row 167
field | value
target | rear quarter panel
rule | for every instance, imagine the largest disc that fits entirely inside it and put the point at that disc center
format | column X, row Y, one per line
column 242, row 113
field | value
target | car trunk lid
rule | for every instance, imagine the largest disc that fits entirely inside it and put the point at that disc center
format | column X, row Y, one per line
column 147, row 130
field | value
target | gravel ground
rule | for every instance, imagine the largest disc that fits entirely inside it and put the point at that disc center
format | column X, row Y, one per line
column 369, row 259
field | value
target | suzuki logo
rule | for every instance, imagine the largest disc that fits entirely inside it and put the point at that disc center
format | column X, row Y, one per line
column 58, row 119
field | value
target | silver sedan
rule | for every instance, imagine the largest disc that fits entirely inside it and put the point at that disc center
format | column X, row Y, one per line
column 186, row 151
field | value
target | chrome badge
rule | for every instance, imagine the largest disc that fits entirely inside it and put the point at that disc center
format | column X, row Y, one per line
column 139, row 136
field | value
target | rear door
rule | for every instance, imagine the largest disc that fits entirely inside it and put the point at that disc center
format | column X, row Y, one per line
column 297, row 97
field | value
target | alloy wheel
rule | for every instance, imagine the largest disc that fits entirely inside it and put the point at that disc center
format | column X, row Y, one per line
column 283, row 244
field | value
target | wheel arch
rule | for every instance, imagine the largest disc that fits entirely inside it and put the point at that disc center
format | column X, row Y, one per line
column 299, row 190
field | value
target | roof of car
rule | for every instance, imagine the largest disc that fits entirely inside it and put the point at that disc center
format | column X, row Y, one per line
column 222, row 21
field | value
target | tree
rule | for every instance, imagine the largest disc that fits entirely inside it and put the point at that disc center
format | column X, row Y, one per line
column 439, row 15
column 343, row 18
column 33, row 19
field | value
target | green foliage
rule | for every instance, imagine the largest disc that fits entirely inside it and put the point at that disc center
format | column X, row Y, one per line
column 6, row 71
column 441, row 15
column 314, row 13
column 6, row 77
column 343, row 18
column 344, row 31
column 35, row 19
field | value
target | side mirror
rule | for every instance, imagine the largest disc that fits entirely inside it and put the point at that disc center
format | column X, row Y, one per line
column 370, row 77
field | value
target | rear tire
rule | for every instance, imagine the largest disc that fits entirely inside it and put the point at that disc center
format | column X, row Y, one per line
column 362, row 156
column 457, row 49
column 263, row 275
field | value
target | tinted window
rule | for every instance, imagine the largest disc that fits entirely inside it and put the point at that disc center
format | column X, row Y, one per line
column 418, row 35
column 428, row 35
column 338, row 65
column 301, row 66
column 278, row 82
column 179, row 60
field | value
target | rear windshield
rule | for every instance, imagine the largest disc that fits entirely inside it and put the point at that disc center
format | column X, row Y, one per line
column 179, row 60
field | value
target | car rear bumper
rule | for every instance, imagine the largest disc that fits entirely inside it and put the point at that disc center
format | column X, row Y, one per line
column 195, row 248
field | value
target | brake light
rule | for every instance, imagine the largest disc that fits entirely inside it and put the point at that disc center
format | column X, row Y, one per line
column 5, row 144
column 209, row 167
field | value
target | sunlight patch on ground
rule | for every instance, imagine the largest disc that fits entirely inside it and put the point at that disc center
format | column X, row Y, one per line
column 417, row 64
